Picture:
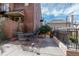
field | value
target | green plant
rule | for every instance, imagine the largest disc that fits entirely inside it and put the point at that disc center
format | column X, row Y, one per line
column 73, row 39
column 44, row 29
column 2, row 36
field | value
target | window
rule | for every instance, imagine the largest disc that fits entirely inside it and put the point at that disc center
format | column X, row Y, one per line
column 18, row 6
column 26, row 4
column 5, row 7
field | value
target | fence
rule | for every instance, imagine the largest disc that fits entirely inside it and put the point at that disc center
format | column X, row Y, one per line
column 68, row 37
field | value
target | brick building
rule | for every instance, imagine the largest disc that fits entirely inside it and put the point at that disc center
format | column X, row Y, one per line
column 23, row 16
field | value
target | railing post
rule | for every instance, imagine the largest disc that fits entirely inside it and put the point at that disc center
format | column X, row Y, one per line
column 76, row 38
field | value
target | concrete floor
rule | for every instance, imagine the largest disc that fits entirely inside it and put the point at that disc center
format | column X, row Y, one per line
column 48, row 48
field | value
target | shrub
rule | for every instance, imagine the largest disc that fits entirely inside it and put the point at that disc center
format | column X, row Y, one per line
column 74, row 40
column 44, row 29
column 2, row 36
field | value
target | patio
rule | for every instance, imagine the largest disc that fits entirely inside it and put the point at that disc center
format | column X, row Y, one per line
column 48, row 48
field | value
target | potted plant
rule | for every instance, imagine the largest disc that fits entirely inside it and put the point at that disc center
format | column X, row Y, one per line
column 45, row 30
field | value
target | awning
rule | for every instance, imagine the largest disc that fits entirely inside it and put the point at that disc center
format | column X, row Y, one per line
column 15, row 14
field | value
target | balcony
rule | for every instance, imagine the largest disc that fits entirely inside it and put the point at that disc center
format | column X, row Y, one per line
column 15, row 12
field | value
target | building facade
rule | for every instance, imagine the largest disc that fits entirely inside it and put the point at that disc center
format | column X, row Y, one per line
column 55, row 24
column 23, row 16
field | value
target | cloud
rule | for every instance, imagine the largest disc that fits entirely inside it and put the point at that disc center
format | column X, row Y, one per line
column 59, row 10
column 72, row 10
column 56, row 13
column 44, row 10
column 54, row 9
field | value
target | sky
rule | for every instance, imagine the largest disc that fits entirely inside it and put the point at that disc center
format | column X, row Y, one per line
column 53, row 11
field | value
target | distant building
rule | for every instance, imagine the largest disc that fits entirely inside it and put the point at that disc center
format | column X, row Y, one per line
column 54, row 24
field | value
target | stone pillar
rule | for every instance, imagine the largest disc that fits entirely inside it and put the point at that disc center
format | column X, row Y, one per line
column 78, row 33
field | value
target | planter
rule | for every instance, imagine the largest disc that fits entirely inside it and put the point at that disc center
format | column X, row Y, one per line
column 48, row 33
column 46, row 30
column 42, row 35
column 47, row 36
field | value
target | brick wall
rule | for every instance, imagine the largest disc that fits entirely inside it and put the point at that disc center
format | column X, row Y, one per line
column 32, row 17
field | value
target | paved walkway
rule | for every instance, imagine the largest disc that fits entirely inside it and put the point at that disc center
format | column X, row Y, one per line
column 49, row 48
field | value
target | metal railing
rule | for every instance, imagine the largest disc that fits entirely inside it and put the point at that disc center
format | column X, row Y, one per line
column 71, row 42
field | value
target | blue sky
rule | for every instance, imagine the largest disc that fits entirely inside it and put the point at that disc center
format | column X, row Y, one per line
column 52, row 11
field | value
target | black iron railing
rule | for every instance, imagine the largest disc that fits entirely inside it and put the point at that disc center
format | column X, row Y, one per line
column 69, row 38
